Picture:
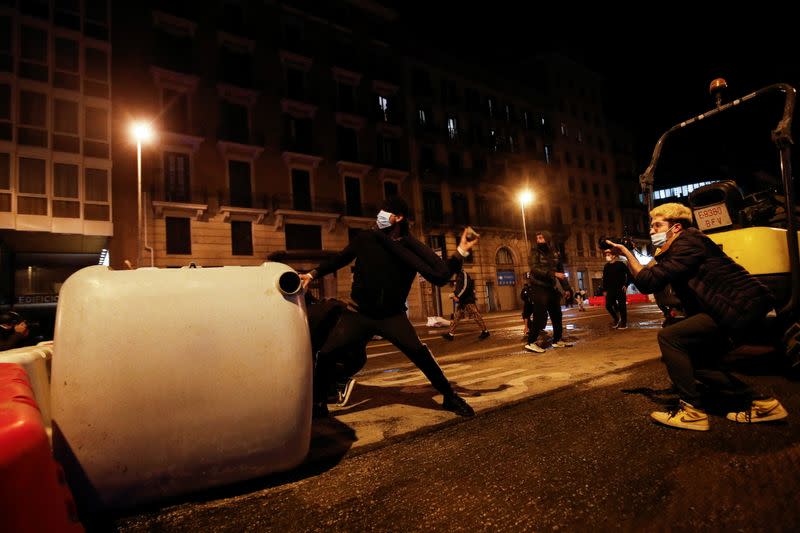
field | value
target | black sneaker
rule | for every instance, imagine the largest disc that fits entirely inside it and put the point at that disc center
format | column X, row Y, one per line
column 455, row 403
column 484, row 334
column 448, row 336
column 343, row 392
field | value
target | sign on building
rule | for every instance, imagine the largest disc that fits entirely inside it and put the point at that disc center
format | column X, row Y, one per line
column 506, row 277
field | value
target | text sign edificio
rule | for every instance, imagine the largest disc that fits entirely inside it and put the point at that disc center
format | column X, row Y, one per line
column 712, row 216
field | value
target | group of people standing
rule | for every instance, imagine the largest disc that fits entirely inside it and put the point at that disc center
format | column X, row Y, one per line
column 720, row 298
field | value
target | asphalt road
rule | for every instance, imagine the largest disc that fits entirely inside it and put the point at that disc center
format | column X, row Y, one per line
column 580, row 456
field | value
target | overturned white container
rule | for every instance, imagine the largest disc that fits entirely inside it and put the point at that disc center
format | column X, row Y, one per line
column 166, row 381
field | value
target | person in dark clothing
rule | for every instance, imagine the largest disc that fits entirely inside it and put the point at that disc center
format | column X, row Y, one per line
column 387, row 260
column 464, row 298
column 13, row 330
column 547, row 282
column 615, row 285
column 323, row 315
column 721, row 300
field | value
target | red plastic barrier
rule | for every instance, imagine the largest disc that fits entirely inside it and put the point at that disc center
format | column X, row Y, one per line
column 631, row 299
column 34, row 496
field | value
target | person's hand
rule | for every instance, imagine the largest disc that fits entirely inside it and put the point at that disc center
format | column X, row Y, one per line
column 465, row 244
column 561, row 275
column 455, row 298
column 305, row 279
column 22, row 328
column 620, row 249
column 525, row 329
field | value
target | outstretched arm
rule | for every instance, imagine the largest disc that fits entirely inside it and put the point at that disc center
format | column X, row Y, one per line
column 343, row 258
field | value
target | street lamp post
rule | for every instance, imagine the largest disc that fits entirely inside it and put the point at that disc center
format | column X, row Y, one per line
column 525, row 197
column 142, row 133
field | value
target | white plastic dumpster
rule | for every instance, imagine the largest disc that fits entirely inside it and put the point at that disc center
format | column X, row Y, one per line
column 166, row 381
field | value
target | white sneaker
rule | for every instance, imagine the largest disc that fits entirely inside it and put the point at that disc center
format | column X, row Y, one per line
column 684, row 417
column 533, row 347
column 562, row 344
column 760, row 411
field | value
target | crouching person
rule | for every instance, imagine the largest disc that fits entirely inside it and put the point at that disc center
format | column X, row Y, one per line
column 722, row 301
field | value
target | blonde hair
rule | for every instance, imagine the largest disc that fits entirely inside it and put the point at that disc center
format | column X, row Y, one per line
column 673, row 212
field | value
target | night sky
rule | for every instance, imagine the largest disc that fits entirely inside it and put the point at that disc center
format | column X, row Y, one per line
column 657, row 70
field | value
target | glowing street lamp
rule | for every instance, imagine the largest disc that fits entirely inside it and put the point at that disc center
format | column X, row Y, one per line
column 525, row 197
column 142, row 133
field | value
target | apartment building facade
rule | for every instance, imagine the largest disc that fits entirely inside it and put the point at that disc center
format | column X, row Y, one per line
column 279, row 130
column 55, row 154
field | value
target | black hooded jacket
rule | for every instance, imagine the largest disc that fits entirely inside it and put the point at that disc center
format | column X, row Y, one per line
column 385, row 269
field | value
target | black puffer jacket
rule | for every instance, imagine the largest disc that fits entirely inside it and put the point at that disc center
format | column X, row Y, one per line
column 385, row 269
column 544, row 262
column 706, row 280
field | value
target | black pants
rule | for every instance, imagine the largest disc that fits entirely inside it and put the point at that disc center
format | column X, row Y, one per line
column 545, row 302
column 354, row 328
column 692, row 350
column 617, row 306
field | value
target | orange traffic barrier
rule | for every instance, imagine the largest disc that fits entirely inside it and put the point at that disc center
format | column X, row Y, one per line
column 34, row 496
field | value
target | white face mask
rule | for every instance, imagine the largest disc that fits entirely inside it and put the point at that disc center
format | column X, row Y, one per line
column 659, row 239
column 383, row 219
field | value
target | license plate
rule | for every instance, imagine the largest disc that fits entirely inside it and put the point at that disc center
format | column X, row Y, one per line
column 712, row 216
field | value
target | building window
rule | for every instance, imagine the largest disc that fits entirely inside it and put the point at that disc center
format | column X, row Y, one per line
column 176, row 177
column 66, row 201
column 236, row 66
column 452, row 128
column 347, row 141
column 179, row 235
column 303, row 237
column 584, row 187
column 234, row 122
column 548, row 154
column 571, row 183
column 383, row 106
column 32, row 119
column 490, row 106
column 596, row 189
column 241, row 237
column 504, row 257
column 175, row 110
column 603, row 168
column 574, row 213
column 558, row 219
column 456, row 163
column 581, row 162
column 390, row 189
column 95, row 194
column 301, row 190
column 599, row 215
column 611, row 216
column 33, row 53
column 387, row 146
column 65, row 126
column 460, row 208
column 607, row 190
column 579, row 137
column 432, row 206
column 422, row 117
column 591, row 245
column 296, row 84
column 32, row 193
column 564, row 130
column 587, row 214
column 239, row 183
column 96, row 19
column 96, row 73
column 5, row 112
column 352, row 196
column 299, row 137
column 96, row 132
column 66, row 74
column 5, row 182
column 579, row 243
column 567, row 158
column 345, row 97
